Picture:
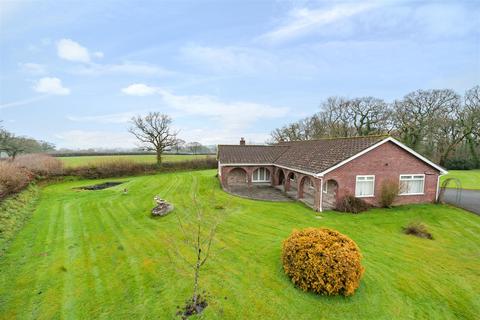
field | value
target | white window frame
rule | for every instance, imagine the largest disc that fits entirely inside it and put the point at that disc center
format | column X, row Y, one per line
column 265, row 174
column 325, row 187
column 373, row 189
column 411, row 174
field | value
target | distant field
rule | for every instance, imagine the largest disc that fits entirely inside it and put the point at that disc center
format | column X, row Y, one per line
column 143, row 158
column 470, row 179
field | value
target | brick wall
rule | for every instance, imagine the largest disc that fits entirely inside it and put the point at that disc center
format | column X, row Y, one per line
column 387, row 161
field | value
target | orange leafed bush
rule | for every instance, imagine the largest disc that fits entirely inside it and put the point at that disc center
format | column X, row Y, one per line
column 13, row 178
column 40, row 163
column 323, row 261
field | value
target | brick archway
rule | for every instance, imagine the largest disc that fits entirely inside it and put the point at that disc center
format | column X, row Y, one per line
column 330, row 192
column 305, row 187
column 290, row 178
column 280, row 177
column 236, row 176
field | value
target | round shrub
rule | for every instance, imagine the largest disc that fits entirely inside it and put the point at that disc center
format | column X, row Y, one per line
column 323, row 261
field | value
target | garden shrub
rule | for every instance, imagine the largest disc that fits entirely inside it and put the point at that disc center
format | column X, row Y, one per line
column 417, row 229
column 388, row 192
column 352, row 204
column 40, row 164
column 13, row 178
column 323, row 261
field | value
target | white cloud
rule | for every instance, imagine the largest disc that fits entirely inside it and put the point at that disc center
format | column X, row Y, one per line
column 80, row 139
column 22, row 102
column 122, row 117
column 139, row 89
column 50, row 85
column 33, row 68
column 232, row 114
column 236, row 114
column 231, row 59
column 72, row 51
column 301, row 22
column 248, row 60
column 131, row 68
column 98, row 54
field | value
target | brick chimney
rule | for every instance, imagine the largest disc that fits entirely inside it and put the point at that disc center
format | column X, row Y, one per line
column 242, row 141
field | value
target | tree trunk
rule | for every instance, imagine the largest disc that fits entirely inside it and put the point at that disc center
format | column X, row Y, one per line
column 197, row 268
column 159, row 158
column 473, row 152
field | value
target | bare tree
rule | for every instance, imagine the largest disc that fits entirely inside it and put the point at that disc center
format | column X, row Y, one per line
column 369, row 115
column 417, row 112
column 194, row 147
column 178, row 145
column 471, row 122
column 154, row 132
column 198, row 233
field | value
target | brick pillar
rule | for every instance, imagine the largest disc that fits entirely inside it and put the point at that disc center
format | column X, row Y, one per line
column 249, row 176
column 286, row 186
column 318, row 194
column 273, row 176
column 299, row 186
column 224, row 177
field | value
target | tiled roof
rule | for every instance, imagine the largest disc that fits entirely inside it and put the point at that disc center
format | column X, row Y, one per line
column 249, row 154
column 312, row 156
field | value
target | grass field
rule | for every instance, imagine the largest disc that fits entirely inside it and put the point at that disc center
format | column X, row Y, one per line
column 99, row 255
column 143, row 158
column 470, row 179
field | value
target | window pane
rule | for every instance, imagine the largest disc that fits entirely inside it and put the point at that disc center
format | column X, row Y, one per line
column 364, row 188
column 267, row 174
column 413, row 184
column 262, row 174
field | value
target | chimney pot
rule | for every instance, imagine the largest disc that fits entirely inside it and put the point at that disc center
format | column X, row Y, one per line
column 242, row 141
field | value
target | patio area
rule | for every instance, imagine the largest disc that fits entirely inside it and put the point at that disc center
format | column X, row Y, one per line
column 259, row 192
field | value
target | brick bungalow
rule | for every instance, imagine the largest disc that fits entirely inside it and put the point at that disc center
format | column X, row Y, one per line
column 321, row 172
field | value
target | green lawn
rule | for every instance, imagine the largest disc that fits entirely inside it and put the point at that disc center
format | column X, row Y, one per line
column 143, row 158
column 470, row 179
column 99, row 255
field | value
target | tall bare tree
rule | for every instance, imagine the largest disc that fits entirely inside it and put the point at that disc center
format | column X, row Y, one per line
column 471, row 122
column 417, row 112
column 154, row 132
column 369, row 115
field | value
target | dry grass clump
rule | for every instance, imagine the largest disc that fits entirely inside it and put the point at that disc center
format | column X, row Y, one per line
column 323, row 261
column 352, row 204
column 13, row 178
column 417, row 229
column 40, row 163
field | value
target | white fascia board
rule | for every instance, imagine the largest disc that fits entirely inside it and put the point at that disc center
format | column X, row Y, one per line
column 264, row 165
column 398, row 143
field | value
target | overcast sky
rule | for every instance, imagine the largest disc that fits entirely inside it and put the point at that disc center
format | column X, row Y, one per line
column 74, row 72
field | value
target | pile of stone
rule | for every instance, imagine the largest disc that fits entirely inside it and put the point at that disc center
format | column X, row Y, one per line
column 162, row 208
